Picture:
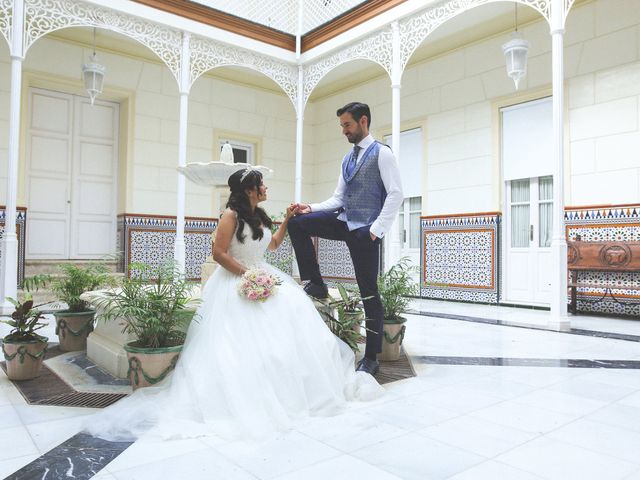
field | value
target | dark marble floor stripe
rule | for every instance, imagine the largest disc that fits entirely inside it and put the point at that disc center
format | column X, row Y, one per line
column 527, row 362
column 492, row 321
column 81, row 457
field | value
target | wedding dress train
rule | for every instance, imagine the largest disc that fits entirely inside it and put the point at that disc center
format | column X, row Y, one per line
column 247, row 368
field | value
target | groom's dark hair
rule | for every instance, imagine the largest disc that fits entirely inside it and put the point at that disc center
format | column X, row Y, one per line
column 357, row 110
column 239, row 203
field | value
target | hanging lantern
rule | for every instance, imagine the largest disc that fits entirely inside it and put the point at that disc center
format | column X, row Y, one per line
column 515, row 52
column 93, row 73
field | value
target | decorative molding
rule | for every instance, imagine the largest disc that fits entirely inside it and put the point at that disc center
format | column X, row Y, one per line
column 224, row 21
column 360, row 14
column 207, row 54
column 377, row 48
column 415, row 29
column 45, row 16
column 6, row 19
column 21, row 222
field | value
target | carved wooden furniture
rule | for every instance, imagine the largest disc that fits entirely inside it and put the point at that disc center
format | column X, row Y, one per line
column 614, row 256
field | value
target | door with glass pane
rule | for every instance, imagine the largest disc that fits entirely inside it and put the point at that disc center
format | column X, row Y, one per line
column 409, row 226
column 528, row 240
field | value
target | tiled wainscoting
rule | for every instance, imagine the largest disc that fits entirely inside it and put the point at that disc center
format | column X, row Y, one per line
column 150, row 239
column 21, row 222
column 601, row 224
column 460, row 257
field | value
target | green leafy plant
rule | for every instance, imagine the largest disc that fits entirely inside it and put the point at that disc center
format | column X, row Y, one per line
column 344, row 326
column 73, row 282
column 350, row 301
column 395, row 287
column 154, row 305
column 24, row 321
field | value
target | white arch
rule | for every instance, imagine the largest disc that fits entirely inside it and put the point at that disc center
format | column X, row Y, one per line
column 6, row 18
column 208, row 54
column 414, row 30
column 376, row 48
column 46, row 16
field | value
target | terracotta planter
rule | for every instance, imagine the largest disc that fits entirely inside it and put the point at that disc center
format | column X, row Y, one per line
column 24, row 359
column 73, row 328
column 394, row 329
column 149, row 366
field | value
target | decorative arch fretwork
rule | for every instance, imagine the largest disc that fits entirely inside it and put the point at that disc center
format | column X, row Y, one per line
column 376, row 48
column 415, row 29
column 6, row 18
column 45, row 16
column 207, row 54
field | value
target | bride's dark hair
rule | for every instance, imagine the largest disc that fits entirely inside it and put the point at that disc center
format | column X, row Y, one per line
column 239, row 202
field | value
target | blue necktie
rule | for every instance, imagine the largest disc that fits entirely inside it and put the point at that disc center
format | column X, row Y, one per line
column 353, row 160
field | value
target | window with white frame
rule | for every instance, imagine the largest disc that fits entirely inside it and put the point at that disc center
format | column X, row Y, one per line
column 243, row 152
column 409, row 222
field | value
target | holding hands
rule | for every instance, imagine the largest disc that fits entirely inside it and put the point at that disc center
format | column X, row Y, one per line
column 299, row 208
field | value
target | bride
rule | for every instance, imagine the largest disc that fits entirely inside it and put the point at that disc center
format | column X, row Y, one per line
column 247, row 368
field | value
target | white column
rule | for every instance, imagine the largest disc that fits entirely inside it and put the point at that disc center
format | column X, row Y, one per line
column 392, row 239
column 558, row 318
column 185, row 71
column 299, row 131
column 9, row 244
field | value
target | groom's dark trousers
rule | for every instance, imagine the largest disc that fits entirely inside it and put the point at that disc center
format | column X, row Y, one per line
column 365, row 254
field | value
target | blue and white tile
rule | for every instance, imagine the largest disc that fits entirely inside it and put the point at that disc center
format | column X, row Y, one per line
column 477, row 435
column 555, row 460
column 344, row 467
column 415, row 457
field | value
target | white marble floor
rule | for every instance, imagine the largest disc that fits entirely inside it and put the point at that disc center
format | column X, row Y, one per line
column 462, row 422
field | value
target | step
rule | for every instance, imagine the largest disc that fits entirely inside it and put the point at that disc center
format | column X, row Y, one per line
column 37, row 267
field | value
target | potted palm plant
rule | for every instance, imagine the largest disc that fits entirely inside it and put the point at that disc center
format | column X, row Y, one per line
column 74, row 324
column 22, row 347
column 395, row 287
column 344, row 316
column 154, row 305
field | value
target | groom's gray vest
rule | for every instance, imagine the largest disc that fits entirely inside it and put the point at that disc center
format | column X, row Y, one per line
column 365, row 194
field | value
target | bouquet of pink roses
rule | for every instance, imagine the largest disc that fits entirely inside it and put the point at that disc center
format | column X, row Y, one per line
column 257, row 285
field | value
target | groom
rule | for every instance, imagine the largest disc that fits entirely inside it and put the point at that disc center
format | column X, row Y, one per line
column 360, row 213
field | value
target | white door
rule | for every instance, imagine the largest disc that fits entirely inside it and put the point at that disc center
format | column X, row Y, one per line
column 410, row 230
column 528, row 240
column 408, row 222
column 71, row 173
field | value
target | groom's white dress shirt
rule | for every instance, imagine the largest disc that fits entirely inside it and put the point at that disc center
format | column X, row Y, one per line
column 390, row 175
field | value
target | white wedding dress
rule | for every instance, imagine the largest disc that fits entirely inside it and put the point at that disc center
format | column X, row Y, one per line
column 247, row 368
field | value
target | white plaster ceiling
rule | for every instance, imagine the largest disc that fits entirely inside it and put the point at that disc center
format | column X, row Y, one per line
column 472, row 26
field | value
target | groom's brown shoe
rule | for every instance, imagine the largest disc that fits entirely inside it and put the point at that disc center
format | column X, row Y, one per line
column 368, row 366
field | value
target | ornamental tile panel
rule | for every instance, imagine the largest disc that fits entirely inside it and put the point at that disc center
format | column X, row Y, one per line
column 601, row 224
column 459, row 258
column 151, row 239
